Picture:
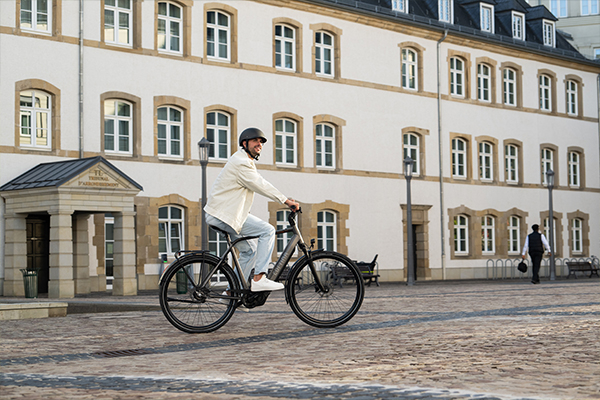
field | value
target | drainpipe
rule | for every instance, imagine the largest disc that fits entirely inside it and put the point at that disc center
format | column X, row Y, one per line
column 80, row 78
column 441, row 159
column 598, row 104
column 2, row 244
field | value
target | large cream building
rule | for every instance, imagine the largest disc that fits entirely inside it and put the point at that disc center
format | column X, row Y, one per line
column 103, row 104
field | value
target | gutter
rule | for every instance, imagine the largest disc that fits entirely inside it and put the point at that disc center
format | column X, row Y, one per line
column 441, row 157
column 81, row 79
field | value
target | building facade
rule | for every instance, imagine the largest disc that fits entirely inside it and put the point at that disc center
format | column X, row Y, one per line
column 485, row 96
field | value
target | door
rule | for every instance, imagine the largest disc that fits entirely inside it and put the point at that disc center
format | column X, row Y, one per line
column 38, row 246
column 414, row 250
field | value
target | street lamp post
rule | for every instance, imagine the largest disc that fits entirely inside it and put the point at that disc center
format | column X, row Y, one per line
column 550, row 181
column 408, row 171
column 203, row 145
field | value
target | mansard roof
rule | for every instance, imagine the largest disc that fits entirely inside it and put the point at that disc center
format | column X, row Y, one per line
column 424, row 13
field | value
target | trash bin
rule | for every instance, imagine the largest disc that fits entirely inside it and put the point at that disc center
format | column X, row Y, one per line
column 30, row 280
column 181, row 282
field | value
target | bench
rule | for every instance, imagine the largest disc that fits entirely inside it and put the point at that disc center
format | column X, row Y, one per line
column 368, row 272
column 581, row 266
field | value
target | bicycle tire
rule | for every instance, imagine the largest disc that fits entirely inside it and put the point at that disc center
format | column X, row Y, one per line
column 344, row 294
column 192, row 309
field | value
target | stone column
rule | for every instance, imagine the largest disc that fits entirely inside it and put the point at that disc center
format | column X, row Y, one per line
column 124, row 268
column 15, row 254
column 61, row 283
column 81, row 251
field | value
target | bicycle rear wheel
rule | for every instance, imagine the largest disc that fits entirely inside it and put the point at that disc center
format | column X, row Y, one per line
column 343, row 295
column 195, row 309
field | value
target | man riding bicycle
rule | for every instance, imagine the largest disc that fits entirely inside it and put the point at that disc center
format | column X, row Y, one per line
column 229, row 203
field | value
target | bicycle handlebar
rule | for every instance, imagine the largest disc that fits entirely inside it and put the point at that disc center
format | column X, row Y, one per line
column 292, row 216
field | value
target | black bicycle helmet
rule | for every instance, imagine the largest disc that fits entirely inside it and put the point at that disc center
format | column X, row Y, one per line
column 252, row 133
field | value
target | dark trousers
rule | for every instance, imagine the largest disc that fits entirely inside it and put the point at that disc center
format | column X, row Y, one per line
column 536, row 261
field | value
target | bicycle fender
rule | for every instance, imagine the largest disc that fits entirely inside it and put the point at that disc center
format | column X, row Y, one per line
column 205, row 253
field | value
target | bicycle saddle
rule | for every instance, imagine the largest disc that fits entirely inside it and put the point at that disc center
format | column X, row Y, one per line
column 219, row 230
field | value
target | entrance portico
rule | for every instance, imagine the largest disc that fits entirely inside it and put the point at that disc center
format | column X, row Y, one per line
column 68, row 192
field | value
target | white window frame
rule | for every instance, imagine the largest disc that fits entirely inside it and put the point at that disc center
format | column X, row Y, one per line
column 484, row 83
column 283, row 239
column 559, row 8
column 459, row 159
column 119, row 9
column 549, row 33
column 446, row 11
column 38, row 115
column 168, row 34
column 547, row 163
column 325, row 146
column 109, row 221
column 461, row 235
column 285, row 48
column 171, row 126
column 119, row 121
column 545, row 89
column 327, row 230
column 286, row 141
column 514, row 234
column 572, row 97
column 324, row 54
column 457, row 77
column 509, row 83
column 511, row 163
column 486, row 161
column 218, row 135
column 518, row 25
column 486, row 14
column 410, row 68
column 488, row 235
column 37, row 17
column 400, row 5
column 590, row 7
column 169, row 223
column 574, row 169
column 220, row 50
column 577, row 236
column 412, row 149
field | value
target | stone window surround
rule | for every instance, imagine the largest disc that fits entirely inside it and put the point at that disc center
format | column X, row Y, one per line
column 336, row 33
column 579, row 82
column 186, row 28
column 232, row 112
column 184, row 106
column 468, row 157
column 297, row 27
column 135, row 26
column 299, row 139
column 555, row 163
column 491, row 64
column 519, row 145
column 585, row 233
column 54, row 128
column 337, row 124
column 418, row 49
column 233, row 31
column 553, row 95
column 466, row 59
column 421, row 133
column 518, row 83
column 136, row 131
column 494, row 143
column 558, row 237
column 56, row 28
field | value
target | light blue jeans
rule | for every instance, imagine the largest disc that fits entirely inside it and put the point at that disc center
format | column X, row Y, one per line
column 255, row 253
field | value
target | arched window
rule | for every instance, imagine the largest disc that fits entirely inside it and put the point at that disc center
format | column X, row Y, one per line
column 170, row 27
column 218, row 35
column 409, row 69
column 286, row 143
column 574, row 169
column 576, row 236
column 170, row 230
column 488, row 235
column 461, row 234
column 217, row 133
column 325, row 145
column 514, row 239
column 547, row 163
column 326, row 230
column 511, row 163
column 324, row 54
column 285, row 47
column 412, row 150
column 118, row 126
column 486, row 165
column 459, row 158
column 545, row 93
column 457, row 77
column 483, row 82
column 572, row 98
column 36, row 117
column 170, row 132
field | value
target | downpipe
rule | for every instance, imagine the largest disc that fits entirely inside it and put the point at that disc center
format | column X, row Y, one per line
column 81, row 79
column 441, row 158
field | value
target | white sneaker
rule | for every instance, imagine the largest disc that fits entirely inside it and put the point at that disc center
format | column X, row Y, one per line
column 265, row 285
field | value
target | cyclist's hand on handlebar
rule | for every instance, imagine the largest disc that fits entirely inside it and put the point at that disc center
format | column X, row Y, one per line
column 292, row 204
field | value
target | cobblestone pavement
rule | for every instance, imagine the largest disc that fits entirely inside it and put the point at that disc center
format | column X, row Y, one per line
column 455, row 340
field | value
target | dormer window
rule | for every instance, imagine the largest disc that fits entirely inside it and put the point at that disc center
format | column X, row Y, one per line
column 445, row 11
column 487, row 18
column 400, row 5
column 548, row 32
column 518, row 26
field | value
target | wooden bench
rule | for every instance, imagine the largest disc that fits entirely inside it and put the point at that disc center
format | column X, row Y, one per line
column 582, row 266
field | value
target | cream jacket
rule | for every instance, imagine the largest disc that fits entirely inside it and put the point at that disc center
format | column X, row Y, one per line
column 232, row 193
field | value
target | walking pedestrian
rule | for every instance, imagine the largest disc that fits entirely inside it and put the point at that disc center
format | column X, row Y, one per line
column 535, row 242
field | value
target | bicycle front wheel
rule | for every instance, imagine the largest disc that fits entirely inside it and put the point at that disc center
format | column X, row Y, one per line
column 342, row 297
column 191, row 308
